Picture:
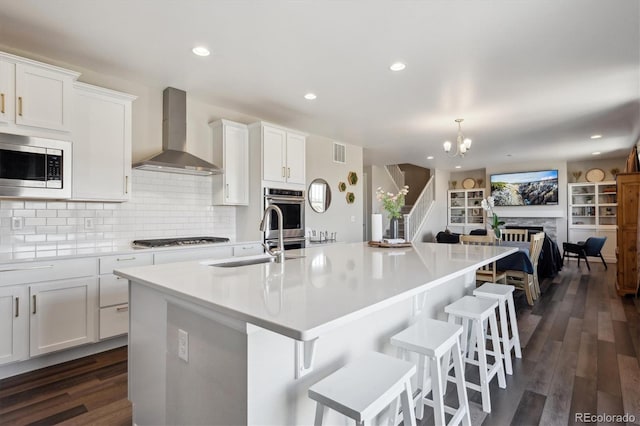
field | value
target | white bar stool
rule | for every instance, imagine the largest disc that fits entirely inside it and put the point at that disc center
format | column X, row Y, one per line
column 364, row 388
column 432, row 340
column 476, row 311
column 504, row 295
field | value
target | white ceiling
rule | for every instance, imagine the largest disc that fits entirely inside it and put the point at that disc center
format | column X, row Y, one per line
column 532, row 78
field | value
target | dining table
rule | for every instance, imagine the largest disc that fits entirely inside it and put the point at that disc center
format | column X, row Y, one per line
column 518, row 261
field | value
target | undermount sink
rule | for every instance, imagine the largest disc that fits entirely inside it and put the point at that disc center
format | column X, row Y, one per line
column 245, row 262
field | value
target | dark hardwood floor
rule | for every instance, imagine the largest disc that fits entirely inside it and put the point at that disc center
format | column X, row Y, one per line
column 581, row 354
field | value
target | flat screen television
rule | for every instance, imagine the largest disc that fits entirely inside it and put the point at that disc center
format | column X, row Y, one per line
column 525, row 188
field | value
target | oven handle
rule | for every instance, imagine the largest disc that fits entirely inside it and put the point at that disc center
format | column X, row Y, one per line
column 286, row 240
column 284, row 198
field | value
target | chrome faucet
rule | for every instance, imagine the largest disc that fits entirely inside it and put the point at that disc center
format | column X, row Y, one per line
column 279, row 252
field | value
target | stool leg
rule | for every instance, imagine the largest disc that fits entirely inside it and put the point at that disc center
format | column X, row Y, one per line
column 408, row 416
column 506, row 342
column 471, row 350
column 421, row 373
column 437, row 391
column 482, row 361
column 321, row 410
column 514, row 326
column 502, row 382
column 463, row 401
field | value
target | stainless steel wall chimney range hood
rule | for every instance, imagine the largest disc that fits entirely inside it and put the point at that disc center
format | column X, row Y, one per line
column 174, row 158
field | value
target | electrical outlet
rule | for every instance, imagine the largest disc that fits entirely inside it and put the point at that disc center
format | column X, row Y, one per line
column 89, row 223
column 183, row 345
column 16, row 223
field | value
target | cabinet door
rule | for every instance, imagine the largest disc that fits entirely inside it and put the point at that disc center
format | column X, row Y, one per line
column 273, row 154
column 42, row 98
column 62, row 314
column 236, row 165
column 7, row 92
column 13, row 324
column 101, row 147
column 295, row 158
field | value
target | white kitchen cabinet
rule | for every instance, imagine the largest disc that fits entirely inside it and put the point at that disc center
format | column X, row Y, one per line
column 101, row 144
column 14, row 320
column 62, row 314
column 283, row 154
column 231, row 152
column 7, row 90
column 36, row 95
column 114, row 292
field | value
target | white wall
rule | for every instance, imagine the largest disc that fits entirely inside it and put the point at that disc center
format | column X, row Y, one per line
column 344, row 219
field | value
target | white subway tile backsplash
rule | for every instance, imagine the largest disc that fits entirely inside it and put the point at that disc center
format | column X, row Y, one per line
column 161, row 205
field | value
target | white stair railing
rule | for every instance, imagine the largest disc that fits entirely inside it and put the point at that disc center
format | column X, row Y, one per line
column 396, row 174
column 420, row 211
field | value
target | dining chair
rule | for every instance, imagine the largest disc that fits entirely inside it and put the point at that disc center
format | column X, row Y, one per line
column 486, row 273
column 514, row 234
column 521, row 280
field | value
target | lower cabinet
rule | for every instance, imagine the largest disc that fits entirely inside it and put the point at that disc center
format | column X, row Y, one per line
column 14, row 321
column 62, row 314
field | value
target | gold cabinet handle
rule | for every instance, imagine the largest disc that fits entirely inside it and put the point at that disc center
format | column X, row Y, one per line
column 227, row 189
column 288, row 172
column 20, row 106
column 126, row 184
column 2, row 103
column 17, row 307
column 122, row 309
column 34, row 303
column 124, row 259
column 283, row 174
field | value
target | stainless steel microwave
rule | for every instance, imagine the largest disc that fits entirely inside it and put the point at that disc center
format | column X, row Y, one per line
column 32, row 167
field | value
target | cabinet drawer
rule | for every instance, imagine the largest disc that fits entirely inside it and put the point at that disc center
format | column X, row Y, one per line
column 33, row 272
column 109, row 263
column 247, row 250
column 197, row 254
column 114, row 321
column 113, row 290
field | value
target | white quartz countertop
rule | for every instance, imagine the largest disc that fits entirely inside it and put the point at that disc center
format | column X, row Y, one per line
column 330, row 286
column 11, row 258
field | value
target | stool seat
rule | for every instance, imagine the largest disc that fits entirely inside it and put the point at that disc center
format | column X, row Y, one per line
column 428, row 337
column 471, row 307
column 495, row 290
column 362, row 389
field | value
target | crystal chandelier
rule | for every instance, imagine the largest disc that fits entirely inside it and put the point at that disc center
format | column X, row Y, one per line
column 462, row 144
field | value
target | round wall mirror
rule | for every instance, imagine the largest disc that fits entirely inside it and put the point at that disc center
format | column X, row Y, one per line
column 319, row 195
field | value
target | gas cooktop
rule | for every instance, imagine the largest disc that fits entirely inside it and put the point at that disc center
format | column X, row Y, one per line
column 185, row 241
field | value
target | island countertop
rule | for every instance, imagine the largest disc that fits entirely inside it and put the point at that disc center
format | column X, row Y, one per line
column 328, row 287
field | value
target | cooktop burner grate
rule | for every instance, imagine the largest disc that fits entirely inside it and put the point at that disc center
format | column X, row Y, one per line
column 185, row 241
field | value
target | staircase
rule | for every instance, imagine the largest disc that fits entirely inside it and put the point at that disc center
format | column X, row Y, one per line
column 413, row 216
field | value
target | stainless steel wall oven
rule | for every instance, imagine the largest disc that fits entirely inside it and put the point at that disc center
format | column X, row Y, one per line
column 292, row 203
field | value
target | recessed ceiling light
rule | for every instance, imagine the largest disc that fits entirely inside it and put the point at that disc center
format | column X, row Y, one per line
column 201, row 51
column 310, row 96
column 458, row 167
column 397, row 66
column 595, row 153
column 430, row 157
column 596, row 136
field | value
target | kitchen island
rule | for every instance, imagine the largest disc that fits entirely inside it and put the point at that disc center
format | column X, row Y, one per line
column 210, row 344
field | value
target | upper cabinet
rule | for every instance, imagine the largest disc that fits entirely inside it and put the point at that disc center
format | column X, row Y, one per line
column 231, row 152
column 283, row 154
column 34, row 96
column 101, row 144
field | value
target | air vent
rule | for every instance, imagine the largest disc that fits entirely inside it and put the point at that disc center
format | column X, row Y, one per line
column 339, row 153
